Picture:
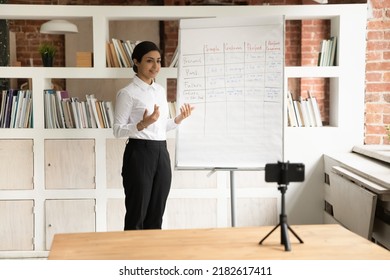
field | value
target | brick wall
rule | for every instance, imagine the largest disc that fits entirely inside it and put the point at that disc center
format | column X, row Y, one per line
column 377, row 101
column 378, row 51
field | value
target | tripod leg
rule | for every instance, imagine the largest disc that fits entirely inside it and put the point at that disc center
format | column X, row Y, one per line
column 296, row 235
column 261, row 241
column 284, row 237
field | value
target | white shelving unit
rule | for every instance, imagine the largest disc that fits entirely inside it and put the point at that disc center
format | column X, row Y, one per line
column 196, row 199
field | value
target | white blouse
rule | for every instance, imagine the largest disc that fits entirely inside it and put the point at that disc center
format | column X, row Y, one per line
column 130, row 105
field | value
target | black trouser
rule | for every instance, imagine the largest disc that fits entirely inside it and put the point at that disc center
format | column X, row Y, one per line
column 147, row 177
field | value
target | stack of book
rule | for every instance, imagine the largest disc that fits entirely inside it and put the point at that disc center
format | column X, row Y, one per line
column 328, row 52
column 303, row 112
column 118, row 53
column 16, row 109
column 63, row 111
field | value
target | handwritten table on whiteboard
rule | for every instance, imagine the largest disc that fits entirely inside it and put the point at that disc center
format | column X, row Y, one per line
column 232, row 73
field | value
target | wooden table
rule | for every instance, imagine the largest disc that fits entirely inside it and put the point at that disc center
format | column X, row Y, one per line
column 321, row 242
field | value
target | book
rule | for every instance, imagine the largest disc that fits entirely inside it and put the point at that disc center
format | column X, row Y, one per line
column 10, row 97
column 311, row 112
column 28, row 115
column 126, row 52
column 63, row 111
column 316, row 110
column 321, row 53
column 15, row 111
column 109, row 59
column 81, row 114
column 48, row 109
column 327, row 54
column 88, row 115
column 99, row 115
column 119, row 52
column 291, row 111
column 104, row 114
column 61, row 95
column 4, row 94
column 123, row 53
column 110, row 113
column 76, row 111
column 92, row 109
column 305, row 113
column 130, row 45
column 68, row 113
column 297, row 110
column 114, row 55
column 333, row 51
column 23, row 107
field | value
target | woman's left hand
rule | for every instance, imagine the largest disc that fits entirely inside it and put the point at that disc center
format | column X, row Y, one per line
column 185, row 112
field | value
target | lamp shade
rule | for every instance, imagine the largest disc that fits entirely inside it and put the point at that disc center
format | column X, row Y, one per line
column 58, row 26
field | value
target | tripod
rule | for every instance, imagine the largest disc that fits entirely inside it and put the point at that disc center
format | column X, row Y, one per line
column 283, row 224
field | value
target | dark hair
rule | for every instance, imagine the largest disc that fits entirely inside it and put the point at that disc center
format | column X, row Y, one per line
column 141, row 49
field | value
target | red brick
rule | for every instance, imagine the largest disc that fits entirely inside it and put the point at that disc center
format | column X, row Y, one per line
column 378, row 87
column 374, row 77
column 372, row 140
column 374, row 107
column 378, row 66
column 378, row 45
column 372, row 97
column 375, row 129
column 374, row 55
column 380, row 4
column 386, row 55
column 375, row 35
column 373, row 118
column 378, row 24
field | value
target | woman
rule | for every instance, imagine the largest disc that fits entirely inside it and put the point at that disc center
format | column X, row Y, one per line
column 142, row 115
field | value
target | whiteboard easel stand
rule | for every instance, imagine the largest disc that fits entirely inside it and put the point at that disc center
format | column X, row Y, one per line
column 232, row 189
column 232, row 199
column 232, row 192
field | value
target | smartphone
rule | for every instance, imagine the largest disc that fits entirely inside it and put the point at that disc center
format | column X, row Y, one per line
column 284, row 172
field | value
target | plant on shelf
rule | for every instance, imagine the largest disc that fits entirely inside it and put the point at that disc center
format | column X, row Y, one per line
column 47, row 51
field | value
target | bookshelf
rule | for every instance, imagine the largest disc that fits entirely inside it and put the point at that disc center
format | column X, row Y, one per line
column 197, row 200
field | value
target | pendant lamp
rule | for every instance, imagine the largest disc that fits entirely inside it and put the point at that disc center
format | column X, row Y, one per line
column 58, row 26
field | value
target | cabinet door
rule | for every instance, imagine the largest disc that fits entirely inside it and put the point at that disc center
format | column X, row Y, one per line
column 114, row 158
column 16, row 226
column 257, row 211
column 184, row 213
column 70, row 164
column 68, row 216
column 16, row 166
column 115, row 214
column 353, row 206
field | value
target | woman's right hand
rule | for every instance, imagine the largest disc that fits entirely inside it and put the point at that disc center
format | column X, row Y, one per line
column 148, row 120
